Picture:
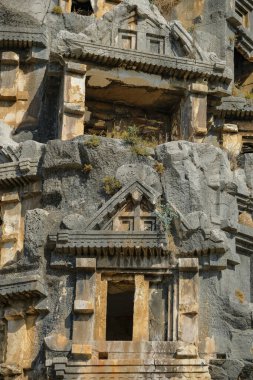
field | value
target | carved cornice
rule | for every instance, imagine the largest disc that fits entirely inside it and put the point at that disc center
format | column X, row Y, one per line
column 23, row 37
column 244, row 240
column 236, row 107
column 179, row 67
column 18, row 172
column 245, row 203
column 244, row 43
column 109, row 242
column 28, row 286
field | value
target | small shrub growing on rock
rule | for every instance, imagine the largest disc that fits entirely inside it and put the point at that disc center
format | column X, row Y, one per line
column 140, row 150
column 132, row 135
column 93, row 142
column 111, row 185
column 165, row 215
column 87, row 168
column 57, row 10
column 159, row 167
column 240, row 296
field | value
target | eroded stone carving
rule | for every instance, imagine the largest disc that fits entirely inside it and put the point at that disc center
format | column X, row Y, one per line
column 149, row 276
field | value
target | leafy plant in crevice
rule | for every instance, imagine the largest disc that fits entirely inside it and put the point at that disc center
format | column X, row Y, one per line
column 111, row 185
column 165, row 215
column 132, row 136
column 57, row 10
column 87, row 168
column 93, row 142
column 140, row 150
column 159, row 167
column 139, row 145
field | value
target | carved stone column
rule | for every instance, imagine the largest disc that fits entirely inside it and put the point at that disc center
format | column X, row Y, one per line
column 9, row 87
column 232, row 140
column 73, row 101
column 141, row 309
column 21, row 339
column 194, row 113
column 83, row 325
column 12, row 228
column 100, row 309
column 188, row 300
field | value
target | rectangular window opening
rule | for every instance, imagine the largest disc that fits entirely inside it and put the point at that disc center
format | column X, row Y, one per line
column 120, row 309
column 155, row 47
column 82, row 7
column 127, row 42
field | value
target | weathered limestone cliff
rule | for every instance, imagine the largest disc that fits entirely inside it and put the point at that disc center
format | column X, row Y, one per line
column 126, row 190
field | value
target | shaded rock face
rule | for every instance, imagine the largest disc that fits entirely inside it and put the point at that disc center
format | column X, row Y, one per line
column 126, row 185
column 60, row 269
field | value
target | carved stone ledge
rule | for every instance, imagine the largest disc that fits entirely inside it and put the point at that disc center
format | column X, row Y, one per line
column 85, row 264
column 244, row 239
column 83, row 307
column 81, row 349
column 9, row 58
column 162, row 65
column 28, row 286
column 76, row 109
column 23, row 37
column 108, row 241
column 76, row 67
column 19, row 172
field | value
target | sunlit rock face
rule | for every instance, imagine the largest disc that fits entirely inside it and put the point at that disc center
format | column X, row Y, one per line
column 126, row 214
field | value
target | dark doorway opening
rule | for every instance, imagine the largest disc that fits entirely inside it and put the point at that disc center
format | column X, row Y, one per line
column 120, row 309
column 82, row 7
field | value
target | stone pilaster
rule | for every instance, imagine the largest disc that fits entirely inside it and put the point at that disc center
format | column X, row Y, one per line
column 9, row 76
column 188, row 300
column 231, row 139
column 20, row 328
column 101, row 306
column 73, row 101
column 141, row 309
column 194, row 113
column 12, row 228
column 83, row 325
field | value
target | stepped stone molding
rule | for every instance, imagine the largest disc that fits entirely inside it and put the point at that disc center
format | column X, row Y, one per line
column 108, row 242
column 245, row 203
column 19, row 172
column 28, row 286
column 149, row 63
column 24, row 37
column 244, row 240
column 244, row 43
column 136, row 368
column 236, row 107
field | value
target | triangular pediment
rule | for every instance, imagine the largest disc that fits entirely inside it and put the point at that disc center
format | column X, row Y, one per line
column 123, row 201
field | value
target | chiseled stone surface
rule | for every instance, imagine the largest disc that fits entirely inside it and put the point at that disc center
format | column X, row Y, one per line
column 126, row 187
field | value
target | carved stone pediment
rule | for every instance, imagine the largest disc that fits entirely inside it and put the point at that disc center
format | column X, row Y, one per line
column 141, row 30
column 125, row 199
column 127, row 222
